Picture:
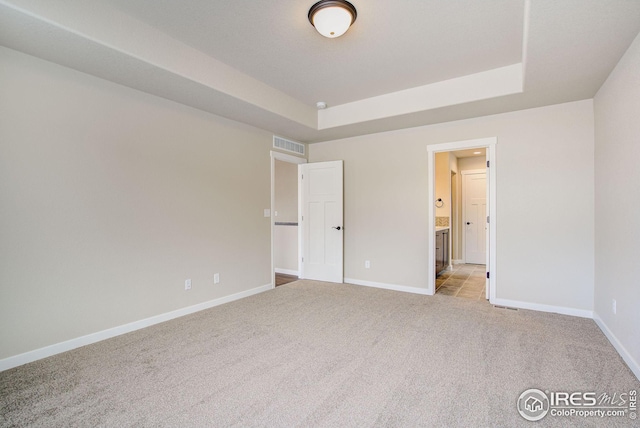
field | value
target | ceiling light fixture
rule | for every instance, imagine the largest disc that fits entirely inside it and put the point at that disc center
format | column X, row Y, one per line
column 332, row 18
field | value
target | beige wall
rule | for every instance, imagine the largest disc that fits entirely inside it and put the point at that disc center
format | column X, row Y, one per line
column 617, row 203
column 285, row 238
column 456, row 213
column 286, row 191
column 453, row 162
column 544, row 204
column 443, row 184
column 110, row 198
column 466, row 164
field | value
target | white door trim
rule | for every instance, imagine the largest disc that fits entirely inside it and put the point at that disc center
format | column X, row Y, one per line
column 464, row 209
column 291, row 159
column 490, row 145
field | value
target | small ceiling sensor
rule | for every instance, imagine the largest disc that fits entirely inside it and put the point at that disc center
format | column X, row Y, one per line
column 321, row 105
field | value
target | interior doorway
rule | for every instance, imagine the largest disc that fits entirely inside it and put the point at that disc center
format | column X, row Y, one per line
column 461, row 204
column 285, row 204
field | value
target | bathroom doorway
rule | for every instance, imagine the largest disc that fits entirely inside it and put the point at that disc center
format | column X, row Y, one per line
column 460, row 214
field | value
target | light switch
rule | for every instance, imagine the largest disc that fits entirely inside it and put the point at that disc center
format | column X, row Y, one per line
column 267, row 212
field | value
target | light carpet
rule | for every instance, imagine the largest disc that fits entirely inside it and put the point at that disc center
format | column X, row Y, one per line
column 317, row 354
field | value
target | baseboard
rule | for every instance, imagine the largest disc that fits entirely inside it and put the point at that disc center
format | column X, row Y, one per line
column 457, row 262
column 68, row 345
column 543, row 308
column 287, row 271
column 394, row 287
column 626, row 356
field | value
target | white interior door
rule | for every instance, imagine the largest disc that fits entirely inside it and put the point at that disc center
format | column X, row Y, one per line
column 474, row 217
column 321, row 221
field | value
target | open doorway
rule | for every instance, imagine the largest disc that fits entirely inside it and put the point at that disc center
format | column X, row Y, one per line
column 285, row 239
column 460, row 223
column 461, row 203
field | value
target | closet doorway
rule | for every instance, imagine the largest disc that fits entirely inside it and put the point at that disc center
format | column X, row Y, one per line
column 285, row 237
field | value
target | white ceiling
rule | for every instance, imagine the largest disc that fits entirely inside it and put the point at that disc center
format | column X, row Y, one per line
column 403, row 63
column 393, row 45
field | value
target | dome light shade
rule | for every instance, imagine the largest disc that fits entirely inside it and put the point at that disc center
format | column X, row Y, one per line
column 332, row 18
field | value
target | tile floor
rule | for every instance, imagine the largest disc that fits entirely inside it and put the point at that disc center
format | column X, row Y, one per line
column 464, row 280
column 284, row 279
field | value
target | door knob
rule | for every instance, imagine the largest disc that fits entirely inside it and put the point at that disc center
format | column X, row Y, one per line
column 336, row 227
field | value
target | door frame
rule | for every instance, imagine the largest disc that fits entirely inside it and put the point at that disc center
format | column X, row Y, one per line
column 290, row 159
column 464, row 207
column 490, row 145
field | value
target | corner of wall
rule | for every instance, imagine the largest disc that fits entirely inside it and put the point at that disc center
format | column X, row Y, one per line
column 622, row 350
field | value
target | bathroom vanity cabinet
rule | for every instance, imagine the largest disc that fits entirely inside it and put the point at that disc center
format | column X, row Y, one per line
column 442, row 250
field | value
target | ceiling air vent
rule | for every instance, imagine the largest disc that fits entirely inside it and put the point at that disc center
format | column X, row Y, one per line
column 288, row 145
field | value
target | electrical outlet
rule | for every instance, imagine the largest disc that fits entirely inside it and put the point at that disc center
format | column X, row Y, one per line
column 187, row 284
column 216, row 278
column 613, row 306
column 367, row 264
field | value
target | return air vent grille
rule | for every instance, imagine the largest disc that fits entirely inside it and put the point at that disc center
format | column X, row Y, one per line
column 505, row 307
column 288, row 145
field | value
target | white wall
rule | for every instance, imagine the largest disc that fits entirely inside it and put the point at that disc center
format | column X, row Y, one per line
column 110, row 198
column 617, row 205
column 544, row 204
column 285, row 237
